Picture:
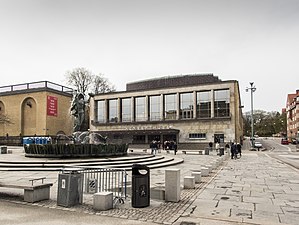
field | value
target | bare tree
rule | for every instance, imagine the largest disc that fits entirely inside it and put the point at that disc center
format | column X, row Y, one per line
column 80, row 78
column 85, row 81
column 101, row 84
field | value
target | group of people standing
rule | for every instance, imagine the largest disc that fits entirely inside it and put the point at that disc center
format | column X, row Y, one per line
column 235, row 149
column 167, row 145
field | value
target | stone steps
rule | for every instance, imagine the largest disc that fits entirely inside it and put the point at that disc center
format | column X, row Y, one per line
column 122, row 162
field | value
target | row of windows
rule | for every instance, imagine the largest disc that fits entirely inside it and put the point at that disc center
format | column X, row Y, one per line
column 165, row 107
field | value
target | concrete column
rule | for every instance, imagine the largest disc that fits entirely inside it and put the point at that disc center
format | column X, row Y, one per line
column 172, row 185
column 146, row 108
column 132, row 109
column 106, row 111
column 177, row 106
column 118, row 110
column 212, row 104
column 162, row 107
column 194, row 104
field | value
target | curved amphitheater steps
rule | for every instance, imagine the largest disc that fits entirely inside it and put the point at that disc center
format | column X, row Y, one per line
column 151, row 161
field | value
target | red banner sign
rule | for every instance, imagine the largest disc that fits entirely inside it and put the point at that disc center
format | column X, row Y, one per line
column 51, row 106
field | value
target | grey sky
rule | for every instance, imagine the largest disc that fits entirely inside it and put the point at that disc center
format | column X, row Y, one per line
column 253, row 40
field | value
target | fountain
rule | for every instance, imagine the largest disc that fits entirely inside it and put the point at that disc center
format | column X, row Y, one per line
column 80, row 144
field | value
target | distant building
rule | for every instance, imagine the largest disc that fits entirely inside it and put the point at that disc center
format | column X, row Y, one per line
column 191, row 110
column 292, row 112
column 37, row 108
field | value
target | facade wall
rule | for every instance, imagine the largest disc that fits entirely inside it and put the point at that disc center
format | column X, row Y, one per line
column 27, row 112
column 231, row 126
column 292, row 112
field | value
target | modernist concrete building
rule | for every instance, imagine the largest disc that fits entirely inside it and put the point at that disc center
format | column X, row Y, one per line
column 191, row 110
column 38, row 108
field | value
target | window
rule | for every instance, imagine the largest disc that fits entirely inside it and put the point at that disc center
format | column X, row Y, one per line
column 170, row 107
column 221, row 103
column 113, row 111
column 154, row 108
column 126, row 110
column 203, row 104
column 100, row 111
column 138, row 139
column 197, row 136
column 140, row 109
column 186, row 106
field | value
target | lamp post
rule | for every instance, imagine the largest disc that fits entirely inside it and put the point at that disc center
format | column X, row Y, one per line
column 252, row 89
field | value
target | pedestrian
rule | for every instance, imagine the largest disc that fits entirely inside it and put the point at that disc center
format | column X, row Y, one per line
column 239, row 149
column 233, row 151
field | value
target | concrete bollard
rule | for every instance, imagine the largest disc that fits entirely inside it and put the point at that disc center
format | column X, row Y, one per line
column 189, row 182
column 103, row 201
column 172, row 185
column 197, row 176
column 204, row 171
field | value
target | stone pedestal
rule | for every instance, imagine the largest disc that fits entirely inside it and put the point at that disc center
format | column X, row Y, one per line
column 197, row 176
column 103, row 200
column 204, row 171
column 172, row 185
column 189, row 182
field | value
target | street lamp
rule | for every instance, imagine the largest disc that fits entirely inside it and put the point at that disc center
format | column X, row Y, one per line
column 252, row 89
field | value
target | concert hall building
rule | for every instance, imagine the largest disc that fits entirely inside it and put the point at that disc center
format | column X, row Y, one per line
column 192, row 110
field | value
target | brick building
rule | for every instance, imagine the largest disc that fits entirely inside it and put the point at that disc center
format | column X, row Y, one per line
column 292, row 112
column 191, row 110
column 37, row 108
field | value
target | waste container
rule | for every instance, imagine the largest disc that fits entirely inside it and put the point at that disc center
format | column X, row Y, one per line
column 70, row 188
column 3, row 149
column 221, row 151
column 140, row 186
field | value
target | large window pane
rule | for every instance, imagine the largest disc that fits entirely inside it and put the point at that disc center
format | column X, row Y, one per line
column 203, row 104
column 170, row 107
column 186, row 106
column 221, row 103
column 140, row 109
column 126, row 110
column 113, row 112
column 154, row 108
column 100, row 111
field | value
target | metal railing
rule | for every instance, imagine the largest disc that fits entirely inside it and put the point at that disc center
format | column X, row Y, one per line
column 101, row 179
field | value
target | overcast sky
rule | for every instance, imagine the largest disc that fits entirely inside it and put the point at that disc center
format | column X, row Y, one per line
column 249, row 41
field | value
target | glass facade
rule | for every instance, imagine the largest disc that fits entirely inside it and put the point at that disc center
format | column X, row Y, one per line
column 186, row 106
column 154, row 108
column 126, row 110
column 113, row 112
column 203, row 104
column 100, row 111
column 221, row 103
column 170, row 105
column 140, row 114
column 138, row 109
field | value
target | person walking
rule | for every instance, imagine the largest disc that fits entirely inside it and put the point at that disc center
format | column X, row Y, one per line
column 233, row 151
column 239, row 149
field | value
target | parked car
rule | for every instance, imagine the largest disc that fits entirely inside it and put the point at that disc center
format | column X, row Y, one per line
column 258, row 144
column 284, row 141
column 294, row 141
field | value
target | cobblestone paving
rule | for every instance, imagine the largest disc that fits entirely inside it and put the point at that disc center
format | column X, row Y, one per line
column 161, row 213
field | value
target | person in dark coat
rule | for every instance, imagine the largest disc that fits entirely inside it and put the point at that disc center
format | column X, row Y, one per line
column 239, row 149
column 233, row 150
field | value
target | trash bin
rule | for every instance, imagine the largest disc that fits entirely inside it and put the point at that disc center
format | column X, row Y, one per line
column 140, row 186
column 207, row 150
column 3, row 150
column 221, row 151
column 70, row 188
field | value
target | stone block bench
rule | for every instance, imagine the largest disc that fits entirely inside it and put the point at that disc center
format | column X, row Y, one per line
column 32, row 192
column 200, row 152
